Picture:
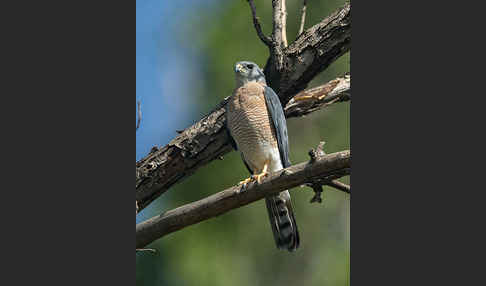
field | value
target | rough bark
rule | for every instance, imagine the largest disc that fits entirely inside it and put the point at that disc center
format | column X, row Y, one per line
column 319, row 170
column 310, row 100
column 196, row 146
column 311, row 53
column 206, row 140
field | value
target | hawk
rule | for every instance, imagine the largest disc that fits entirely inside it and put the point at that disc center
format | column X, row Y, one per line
column 257, row 127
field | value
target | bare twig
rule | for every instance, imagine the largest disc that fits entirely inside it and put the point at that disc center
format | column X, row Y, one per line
column 266, row 40
column 302, row 19
column 145, row 250
column 340, row 186
column 324, row 167
column 139, row 111
column 314, row 154
column 284, row 23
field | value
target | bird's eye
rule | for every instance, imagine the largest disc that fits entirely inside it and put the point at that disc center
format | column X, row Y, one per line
column 249, row 66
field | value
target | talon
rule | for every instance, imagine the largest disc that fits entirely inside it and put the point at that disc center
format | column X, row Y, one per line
column 246, row 181
column 260, row 176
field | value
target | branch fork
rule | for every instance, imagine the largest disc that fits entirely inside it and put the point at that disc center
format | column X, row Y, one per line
column 316, row 186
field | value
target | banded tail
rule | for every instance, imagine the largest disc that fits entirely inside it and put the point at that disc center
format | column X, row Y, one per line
column 282, row 220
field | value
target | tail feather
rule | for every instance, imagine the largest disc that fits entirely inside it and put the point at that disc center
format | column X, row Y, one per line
column 282, row 220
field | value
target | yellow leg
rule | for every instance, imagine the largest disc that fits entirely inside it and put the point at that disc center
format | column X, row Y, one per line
column 262, row 174
column 246, row 181
column 257, row 177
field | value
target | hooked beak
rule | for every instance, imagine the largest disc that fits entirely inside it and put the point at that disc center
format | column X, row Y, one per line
column 238, row 68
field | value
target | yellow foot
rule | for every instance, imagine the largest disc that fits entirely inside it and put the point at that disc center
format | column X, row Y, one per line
column 246, row 181
column 264, row 172
column 259, row 177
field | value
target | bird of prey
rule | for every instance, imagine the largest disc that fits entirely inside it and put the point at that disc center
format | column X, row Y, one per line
column 257, row 127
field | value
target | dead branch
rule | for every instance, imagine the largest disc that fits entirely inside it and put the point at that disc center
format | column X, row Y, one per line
column 322, row 168
column 310, row 100
column 146, row 250
column 319, row 46
column 203, row 142
column 207, row 139
column 340, row 186
column 302, row 18
column 266, row 40
column 139, row 112
column 283, row 12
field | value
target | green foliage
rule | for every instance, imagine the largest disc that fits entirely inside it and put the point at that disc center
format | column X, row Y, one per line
column 238, row 248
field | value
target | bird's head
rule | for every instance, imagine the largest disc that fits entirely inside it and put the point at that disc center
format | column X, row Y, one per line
column 247, row 72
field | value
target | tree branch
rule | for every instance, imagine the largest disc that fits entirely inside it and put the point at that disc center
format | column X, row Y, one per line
column 284, row 23
column 277, row 55
column 310, row 100
column 321, row 168
column 302, row 18
column 207, row 139
column 340, row 186
column 266, row 40
column 310, row 54
column 139, row 112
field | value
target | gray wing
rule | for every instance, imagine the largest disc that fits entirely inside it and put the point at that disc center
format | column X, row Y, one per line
column 228, row 132
column 275, row 110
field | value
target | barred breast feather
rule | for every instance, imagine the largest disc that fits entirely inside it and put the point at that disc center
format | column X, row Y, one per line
column 251, row 126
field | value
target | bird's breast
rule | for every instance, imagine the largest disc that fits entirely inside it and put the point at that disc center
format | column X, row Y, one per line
column 250, row 123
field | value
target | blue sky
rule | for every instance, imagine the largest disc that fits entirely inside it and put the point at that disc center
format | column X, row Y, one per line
column 161, row 68
column 166, row 74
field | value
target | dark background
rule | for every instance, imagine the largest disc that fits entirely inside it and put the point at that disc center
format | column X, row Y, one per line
column 416, row 128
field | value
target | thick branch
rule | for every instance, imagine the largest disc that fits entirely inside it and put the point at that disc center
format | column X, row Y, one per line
column 207, row 139
column 196, row 146
column 311, row 53
column 310, row 100
column 328, row 166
